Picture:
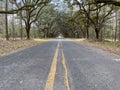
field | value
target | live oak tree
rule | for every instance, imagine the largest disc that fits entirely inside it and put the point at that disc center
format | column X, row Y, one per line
column 30, row 11
column 79, row 21
column 93, row 13
column 46, row 21
column 85, row 17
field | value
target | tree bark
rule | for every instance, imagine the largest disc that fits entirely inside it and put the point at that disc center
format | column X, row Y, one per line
column 28, row 31
column 6, row 20
column 13, row 27
column 21, row 31
column 87, row 33
column 97, row 33
column 119, row 29
column 88, row 22
column 115, row 38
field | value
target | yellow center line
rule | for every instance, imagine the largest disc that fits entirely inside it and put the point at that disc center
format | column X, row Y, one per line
column 66, row 80
column 51, row 75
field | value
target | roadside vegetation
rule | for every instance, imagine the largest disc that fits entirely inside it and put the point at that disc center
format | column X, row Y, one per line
column 98, row 22
column 106, row 45
column 13, row 45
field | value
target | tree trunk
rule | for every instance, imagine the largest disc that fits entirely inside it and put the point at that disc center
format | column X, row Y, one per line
column 28, row 34
column 6, row 20
column 28, row 31
column 39, row 33
column 101, row 35
column 115, row 38
column 97, row 33
column 88, row 22
column 45, row 33
column 87, row 33
column 21, row 27
column 13, row 27
column 119, row 30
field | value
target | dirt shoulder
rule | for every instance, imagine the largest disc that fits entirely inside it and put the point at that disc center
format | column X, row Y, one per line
column 110, row 46
column 14, row 45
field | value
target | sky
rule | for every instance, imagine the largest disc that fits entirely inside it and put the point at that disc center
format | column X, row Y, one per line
column 60, row 5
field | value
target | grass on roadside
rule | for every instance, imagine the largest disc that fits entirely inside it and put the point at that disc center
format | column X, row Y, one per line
column 12, row 45
column 106, row 45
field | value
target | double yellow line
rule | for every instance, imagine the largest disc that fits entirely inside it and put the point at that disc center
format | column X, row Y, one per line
column 51, row 76
column 66, row 80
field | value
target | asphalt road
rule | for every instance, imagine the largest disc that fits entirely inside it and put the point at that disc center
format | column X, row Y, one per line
column 60, row 65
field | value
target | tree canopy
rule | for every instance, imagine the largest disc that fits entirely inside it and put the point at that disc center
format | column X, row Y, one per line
column 77, row 18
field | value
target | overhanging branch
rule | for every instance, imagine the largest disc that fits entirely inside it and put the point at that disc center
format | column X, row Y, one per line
column 25, row 7
column 114, row 2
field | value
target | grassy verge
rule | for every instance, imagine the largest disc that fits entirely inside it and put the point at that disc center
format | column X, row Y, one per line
column 12, row 45
column 113, row 47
